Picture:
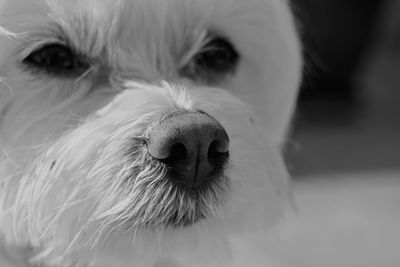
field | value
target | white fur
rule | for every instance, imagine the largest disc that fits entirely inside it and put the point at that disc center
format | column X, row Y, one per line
column 64, row 196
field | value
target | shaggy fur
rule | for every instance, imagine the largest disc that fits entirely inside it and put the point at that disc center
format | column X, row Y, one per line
column 77, row 184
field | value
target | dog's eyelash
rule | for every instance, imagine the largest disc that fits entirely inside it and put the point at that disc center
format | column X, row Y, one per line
column 56, row 59
column 218, row 55
column 215, row 60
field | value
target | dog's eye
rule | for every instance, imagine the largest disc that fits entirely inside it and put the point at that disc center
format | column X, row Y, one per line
column 218, row 55
column 56, row 59
column 215, row 60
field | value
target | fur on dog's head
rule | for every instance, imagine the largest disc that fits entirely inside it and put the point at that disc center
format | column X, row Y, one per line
column 82, row 84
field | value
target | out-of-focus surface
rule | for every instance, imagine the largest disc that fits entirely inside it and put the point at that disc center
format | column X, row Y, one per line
column 358, row 130
column 342, row 221
column 345, row 150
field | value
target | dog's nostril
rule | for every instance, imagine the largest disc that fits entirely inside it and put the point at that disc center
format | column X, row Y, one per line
column 177, row 153
column 193, row 145
column 218, row 146
column 218, row 153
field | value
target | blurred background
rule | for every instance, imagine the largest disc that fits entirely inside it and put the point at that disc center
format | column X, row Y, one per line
column 344, row 151
column 349, row 109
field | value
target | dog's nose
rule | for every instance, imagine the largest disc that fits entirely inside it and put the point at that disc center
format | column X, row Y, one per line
column 193, row 145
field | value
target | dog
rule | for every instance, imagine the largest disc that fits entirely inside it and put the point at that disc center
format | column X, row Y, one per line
column 144, row 132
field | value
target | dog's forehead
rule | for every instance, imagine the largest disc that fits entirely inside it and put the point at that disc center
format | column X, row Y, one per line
column 151, row 38
column 83, row 20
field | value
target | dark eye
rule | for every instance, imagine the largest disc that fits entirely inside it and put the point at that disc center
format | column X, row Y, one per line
column 216, row 59
column 56, row 59
column 218, row 55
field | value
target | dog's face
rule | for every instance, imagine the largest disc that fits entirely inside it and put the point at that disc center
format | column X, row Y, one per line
column 133, row 131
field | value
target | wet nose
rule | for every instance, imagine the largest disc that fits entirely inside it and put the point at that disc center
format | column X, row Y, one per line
column 193, row 145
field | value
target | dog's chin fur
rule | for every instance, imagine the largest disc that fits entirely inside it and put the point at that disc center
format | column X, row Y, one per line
column 78, row 186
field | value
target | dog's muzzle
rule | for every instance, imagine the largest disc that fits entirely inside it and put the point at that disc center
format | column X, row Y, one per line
column 140, row 161
column 193, row 145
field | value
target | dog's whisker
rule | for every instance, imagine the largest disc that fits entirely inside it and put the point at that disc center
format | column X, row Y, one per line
column 72, row 119
column 4, row 82
column 8, row 159
column 92, row 69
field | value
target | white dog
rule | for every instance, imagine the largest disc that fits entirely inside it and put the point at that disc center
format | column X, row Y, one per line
column 125, row 138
